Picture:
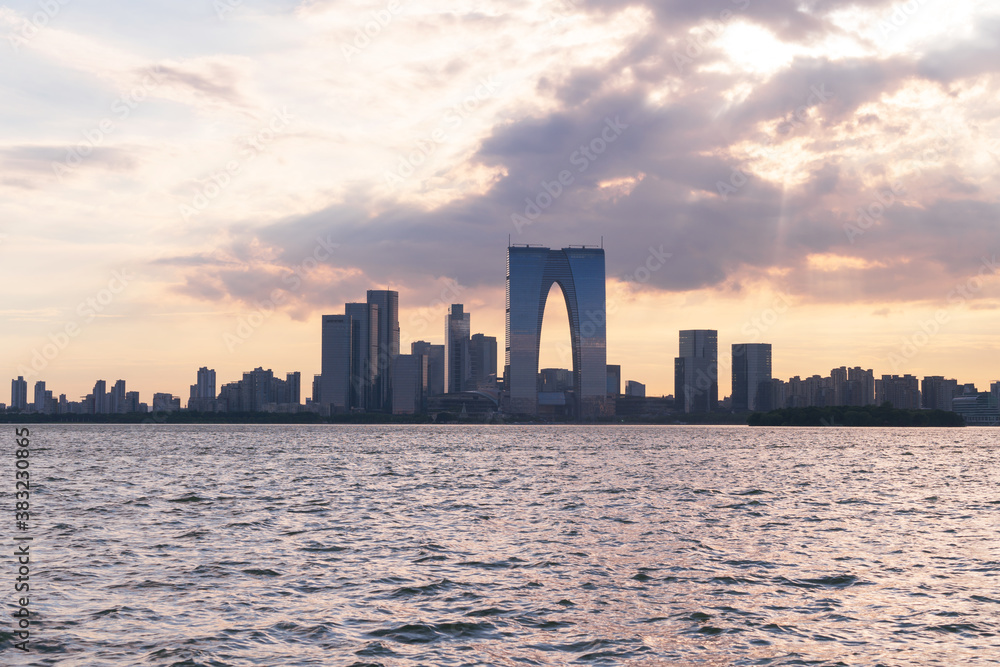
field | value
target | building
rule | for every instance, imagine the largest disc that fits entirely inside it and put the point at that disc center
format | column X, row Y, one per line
column 696, row 371
column 902, row 392
column 335, row 377
column 580, row 274
column 166, row 403
column 407, row 392
column 19, row 394
column 633, row 388
column 936, row 392
column 860, row 387
column 457, row 362
column 614, row 380
column 978, row 408
column 752, row 389
column 483, row 361
column 387, row 346
column 433, row 367
column 100, row 405
column 364, row 356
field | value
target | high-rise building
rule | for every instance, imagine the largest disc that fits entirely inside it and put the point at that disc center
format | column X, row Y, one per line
column 482, row 361
column 19, row 393
column 407, row 397
column 937, row 393
column 902, row 392
column 116, row 398
column 614, row 380
column 433, row 377
column 387, row 302
column 696, row 371
column 580, row 274
column 206, row 383
column 100, row 398
column 752, row 390
column 364, row 355
column 633, row 388
column 39, row 404
column 293, row 388
column 457, row 363
column 335, row 379
column 860, row 387
column 132, row 401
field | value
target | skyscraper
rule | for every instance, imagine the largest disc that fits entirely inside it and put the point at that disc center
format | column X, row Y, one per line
column 752, row 377
column 206, row 383
column 19, row 393
column 482, row 361
column 579, row 272
column 696, row 371
column 335, row 378
column 39, row 404
column 433, row 380
column 387, row 345
column 364, row 354
column 100, row 398
column 457, row 364
column 116, row 398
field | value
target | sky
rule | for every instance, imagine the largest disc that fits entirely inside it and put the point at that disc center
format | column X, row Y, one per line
column 191, row 184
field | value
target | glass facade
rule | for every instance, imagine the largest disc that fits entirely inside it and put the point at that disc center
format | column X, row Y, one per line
column 579, row 272
column 696, row 371
column 752, row 377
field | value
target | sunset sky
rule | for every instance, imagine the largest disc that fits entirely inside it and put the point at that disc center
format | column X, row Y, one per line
column 188, row 184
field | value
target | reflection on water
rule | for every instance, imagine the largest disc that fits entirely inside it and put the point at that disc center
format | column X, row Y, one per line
column 400, row 546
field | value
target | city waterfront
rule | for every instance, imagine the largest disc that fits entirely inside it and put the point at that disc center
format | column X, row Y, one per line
column 505, row 545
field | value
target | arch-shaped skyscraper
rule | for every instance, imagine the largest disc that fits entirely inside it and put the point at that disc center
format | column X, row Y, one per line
column 579, row 272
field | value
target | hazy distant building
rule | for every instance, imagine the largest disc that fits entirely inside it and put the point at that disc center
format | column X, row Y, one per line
column 482, row 361
column 163, row 402
column 937, row 392
column 752, row 389
column 335, row 378
column 387, row 345
column 407, row 397
column 116, row 398
column 457, row 363
column 433, row 370
column 19, row 394
column 633, row 388
column 39, row 404
column 555, row 380
column 614, row 379
column 580, row 273
column 696, row 371
column 860, row 387
column 100, row 404
column 132, row 401
column 364, row 355
column 902, row 392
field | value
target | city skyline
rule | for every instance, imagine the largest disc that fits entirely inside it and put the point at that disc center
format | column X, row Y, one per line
column 200, row 183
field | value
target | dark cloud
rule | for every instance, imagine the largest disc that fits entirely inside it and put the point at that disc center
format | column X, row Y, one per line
column 663, row 178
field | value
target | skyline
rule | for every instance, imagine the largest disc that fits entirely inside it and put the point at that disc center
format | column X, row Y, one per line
column 172, row 174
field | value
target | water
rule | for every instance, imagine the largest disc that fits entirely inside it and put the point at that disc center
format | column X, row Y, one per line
column 404, row 546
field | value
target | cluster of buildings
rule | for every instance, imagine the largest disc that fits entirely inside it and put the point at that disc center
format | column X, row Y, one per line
column 754, row 388
column 363, row 369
